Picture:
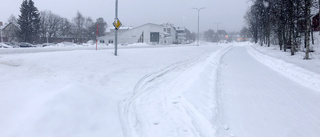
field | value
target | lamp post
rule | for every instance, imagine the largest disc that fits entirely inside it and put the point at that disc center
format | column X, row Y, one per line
column 1, row 31
column 199, row 22
column 47, row 34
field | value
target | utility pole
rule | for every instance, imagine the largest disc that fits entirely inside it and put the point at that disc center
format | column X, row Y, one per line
column 199, row 22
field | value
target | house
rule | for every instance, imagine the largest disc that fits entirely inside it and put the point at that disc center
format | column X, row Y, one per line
column 315, row 23
column 170, row 32
column 148, row 33
column 181, row 35
column 9, row 32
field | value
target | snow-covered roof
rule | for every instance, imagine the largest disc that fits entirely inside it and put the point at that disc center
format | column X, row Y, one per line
column 180, row 28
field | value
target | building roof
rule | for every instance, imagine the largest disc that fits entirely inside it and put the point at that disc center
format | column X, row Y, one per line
column 180, row 28
column 11, row 23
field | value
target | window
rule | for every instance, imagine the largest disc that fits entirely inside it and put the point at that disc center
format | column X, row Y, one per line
column 154, row 37
column 169, row 30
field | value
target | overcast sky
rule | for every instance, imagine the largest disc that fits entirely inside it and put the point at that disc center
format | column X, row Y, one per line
column 227, row 13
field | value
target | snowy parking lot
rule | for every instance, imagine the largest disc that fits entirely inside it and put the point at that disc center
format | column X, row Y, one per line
column 212, row 90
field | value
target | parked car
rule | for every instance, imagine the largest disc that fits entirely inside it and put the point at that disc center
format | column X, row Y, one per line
column 25, row 45
column 3, row 45
column 47, row 44
column 13, row 44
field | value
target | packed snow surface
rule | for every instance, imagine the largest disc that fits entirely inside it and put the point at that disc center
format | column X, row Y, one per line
column 212, row 90
column 258, row 97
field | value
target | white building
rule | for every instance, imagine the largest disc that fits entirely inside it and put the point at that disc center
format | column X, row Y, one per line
column 149, row 33
column 181, row 35
column 171, row 33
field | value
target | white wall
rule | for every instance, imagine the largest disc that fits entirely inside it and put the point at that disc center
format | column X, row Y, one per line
column 132, row 36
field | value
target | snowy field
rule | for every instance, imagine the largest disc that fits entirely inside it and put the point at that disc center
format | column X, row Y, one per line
column 223, row 90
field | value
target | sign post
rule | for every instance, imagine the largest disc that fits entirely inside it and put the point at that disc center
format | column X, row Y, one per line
column 117, row 24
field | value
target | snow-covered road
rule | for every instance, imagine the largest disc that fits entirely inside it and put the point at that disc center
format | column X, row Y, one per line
column 183, row 91
column 76, row 93
column 256, row 101
column 167, row 103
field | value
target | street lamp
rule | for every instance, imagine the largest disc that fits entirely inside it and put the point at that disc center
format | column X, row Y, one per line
column 199, row 21
column 47, row 34
column 1, row 31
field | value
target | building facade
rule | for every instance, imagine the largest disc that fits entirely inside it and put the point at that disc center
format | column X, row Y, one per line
column 149, row 33
column 181, row 35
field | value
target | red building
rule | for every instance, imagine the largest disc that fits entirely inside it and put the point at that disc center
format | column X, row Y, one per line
column 315, row 23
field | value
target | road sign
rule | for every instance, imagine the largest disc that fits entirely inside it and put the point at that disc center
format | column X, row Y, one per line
column 117, row 24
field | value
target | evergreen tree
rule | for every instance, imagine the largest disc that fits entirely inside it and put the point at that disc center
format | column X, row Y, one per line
column 29, row 22
column 24, row 22
column 35, row 21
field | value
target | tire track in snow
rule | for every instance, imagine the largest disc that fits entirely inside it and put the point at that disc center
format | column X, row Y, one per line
column 159, row 107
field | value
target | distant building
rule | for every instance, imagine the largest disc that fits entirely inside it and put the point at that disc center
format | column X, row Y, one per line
column 182, row 35
column 9, row 32
column 170, row 34
column 148, row 33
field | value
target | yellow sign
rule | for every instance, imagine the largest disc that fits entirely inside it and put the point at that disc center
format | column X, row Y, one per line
column 117, row 24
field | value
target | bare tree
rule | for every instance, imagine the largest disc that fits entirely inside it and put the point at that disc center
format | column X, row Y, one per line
column 287, row 19
column 13, row 19
column 50, row 24
column 79, row 26
column 65, row 28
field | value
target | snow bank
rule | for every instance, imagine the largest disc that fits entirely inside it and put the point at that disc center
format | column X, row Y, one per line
column 300, row 75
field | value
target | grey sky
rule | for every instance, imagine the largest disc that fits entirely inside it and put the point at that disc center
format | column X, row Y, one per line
column 229, row 13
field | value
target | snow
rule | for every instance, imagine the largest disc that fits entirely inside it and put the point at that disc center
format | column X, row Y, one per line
column 294, row 72
column 255, row 100
column 233, row 89
column 75, row 93
column 176, row 101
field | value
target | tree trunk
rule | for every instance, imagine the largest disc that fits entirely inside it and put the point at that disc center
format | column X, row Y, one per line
column 312, row 37
column 307, row 37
